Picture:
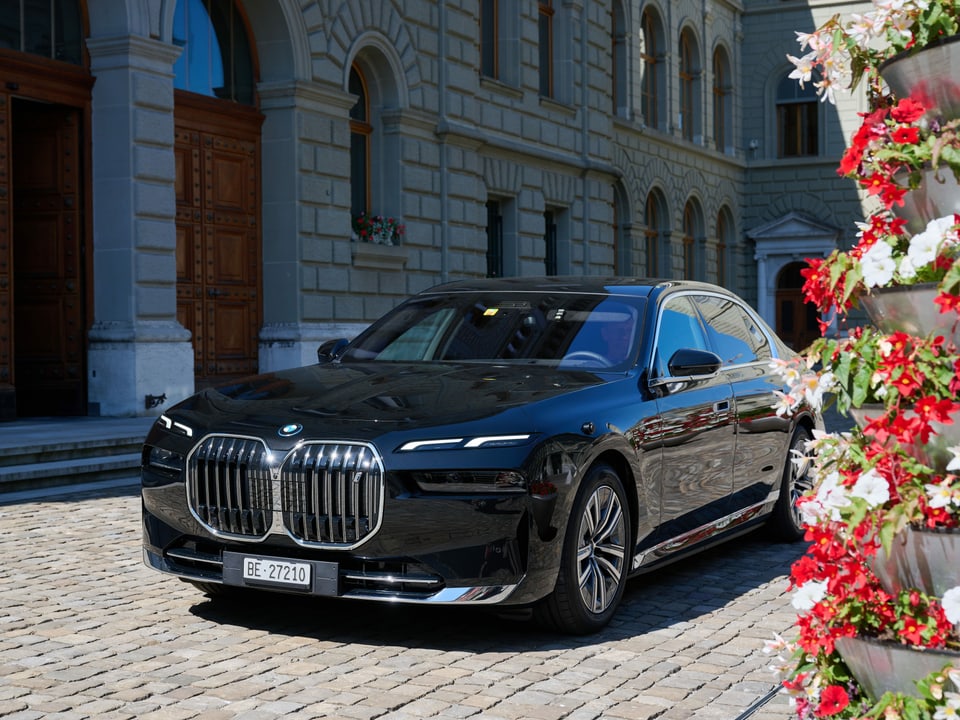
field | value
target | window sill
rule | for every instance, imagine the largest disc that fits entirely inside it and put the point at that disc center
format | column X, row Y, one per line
column 378, row 257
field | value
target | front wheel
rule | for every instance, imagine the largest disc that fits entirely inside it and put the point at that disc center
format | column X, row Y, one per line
column 786, row 522
column 595, row 558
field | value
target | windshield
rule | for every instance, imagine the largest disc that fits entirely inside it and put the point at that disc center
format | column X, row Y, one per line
column 592, row 331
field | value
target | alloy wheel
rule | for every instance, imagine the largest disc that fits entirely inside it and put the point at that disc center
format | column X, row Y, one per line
column 601, row 549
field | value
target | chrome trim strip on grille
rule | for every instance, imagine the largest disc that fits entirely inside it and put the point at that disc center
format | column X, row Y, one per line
column 321, row 494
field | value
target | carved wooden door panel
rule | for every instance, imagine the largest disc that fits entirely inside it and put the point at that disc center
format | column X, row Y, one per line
column 7, row 396
column 218, row 244
column 48, row 296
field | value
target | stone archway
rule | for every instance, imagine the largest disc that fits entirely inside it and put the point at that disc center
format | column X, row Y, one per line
column 786, row 241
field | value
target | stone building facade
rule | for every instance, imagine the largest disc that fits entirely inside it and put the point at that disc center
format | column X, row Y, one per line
column 179, row 179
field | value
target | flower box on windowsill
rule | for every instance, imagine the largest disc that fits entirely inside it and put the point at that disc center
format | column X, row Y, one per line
column 375, row 256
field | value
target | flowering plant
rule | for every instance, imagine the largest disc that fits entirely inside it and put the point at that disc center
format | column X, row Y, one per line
column 863, row 493
column 378, row 229
column 886, row 255
column 841, row 52
column 869, row 366
column 895, row 143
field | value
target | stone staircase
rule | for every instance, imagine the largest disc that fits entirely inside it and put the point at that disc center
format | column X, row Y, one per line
column 41, row 452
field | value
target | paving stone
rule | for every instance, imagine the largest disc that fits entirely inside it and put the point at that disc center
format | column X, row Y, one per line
column 87, row 631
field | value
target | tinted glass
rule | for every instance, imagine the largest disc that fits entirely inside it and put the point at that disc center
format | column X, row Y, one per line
column 733, row 333
column 564, row 330
column 680, row 328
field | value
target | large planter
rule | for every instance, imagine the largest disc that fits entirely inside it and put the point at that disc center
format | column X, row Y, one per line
column 931, row 75
column 920, row 559
column 910, row 309
column 937, row 196
column 935, row 453
column 880, row 666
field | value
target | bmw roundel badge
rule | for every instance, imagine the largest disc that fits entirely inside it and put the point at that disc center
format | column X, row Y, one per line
column 290, row 430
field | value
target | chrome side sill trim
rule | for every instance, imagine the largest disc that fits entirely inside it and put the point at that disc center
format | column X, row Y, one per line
column 700, row 534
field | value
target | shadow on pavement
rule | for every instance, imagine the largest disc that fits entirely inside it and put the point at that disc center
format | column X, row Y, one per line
column 679, row 593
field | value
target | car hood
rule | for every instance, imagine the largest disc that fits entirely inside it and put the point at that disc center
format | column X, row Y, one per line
column 368, row 399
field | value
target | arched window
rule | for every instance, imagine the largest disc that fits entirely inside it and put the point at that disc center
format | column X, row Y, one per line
column 652, row 70
column 618, row 43
column 216, row 60
column 622, row 251
column 693, row 261
column 722, row 105
column 724, row 246
column 545, row 30
column 689, row 87
column 361, row 133
column 653, row 220
column 49, row 28
column 798, row 113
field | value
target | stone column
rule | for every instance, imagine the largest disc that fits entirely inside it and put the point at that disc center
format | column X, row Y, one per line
column 140, row 358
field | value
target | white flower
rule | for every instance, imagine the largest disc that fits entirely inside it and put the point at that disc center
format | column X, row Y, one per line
column 951, row 604
column 878, row 265
column 870, row 486
column 809, row 594
column 942, row 494
column 829, row 499
column 954, row 463
column 906, row 270
column 925, row 245
column 785, row 404
column 803, row 67
column 949, row 710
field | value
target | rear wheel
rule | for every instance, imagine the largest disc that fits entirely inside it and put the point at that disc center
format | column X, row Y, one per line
column 595, row 558
column 786, row 522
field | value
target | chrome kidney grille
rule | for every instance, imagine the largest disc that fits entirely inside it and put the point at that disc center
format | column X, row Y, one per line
column 327, row 494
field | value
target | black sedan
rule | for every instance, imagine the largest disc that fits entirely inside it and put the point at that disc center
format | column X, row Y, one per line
column 527, row 443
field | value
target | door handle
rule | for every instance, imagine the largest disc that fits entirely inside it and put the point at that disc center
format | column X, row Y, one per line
column 213, row 292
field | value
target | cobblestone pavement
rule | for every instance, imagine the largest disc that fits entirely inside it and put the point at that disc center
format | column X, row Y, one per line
column 86, row 631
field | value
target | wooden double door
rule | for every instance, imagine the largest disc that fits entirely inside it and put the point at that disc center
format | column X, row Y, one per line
column 42, row 262
column 217, row 149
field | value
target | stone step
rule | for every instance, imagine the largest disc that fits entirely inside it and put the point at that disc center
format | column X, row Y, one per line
column 59, row 472
column 36, row 453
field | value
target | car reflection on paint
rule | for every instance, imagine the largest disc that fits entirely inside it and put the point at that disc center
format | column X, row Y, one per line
column 520, row 443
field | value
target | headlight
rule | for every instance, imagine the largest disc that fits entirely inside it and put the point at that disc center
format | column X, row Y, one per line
column 470, row 481
column 484, row 441
column 165, row 460
column 175, row 427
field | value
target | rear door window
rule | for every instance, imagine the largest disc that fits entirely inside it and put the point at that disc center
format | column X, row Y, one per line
column 733, row 333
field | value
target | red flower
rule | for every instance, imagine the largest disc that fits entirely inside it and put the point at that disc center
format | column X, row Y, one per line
column 833, row 700
column 906, row 135
column 913, row 632
column 948, row 302
column 908, row 110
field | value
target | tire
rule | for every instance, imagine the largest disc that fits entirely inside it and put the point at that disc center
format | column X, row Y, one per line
column 786, row 521
column 595, row 559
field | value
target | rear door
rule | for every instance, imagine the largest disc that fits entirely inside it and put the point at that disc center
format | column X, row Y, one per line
column 737, row 336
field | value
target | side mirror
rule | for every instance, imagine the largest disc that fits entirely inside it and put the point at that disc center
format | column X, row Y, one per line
column 331, row 350
column 687, row 362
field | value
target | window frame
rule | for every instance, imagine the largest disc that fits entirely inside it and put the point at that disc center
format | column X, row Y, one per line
column 361, row 131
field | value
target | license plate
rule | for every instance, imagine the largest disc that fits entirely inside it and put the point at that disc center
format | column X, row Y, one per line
column 276, row 572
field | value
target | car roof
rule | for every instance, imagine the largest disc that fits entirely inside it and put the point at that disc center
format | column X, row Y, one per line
column 602, row 284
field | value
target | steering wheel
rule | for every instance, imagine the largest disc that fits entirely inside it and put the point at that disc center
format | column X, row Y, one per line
column 587, row 356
